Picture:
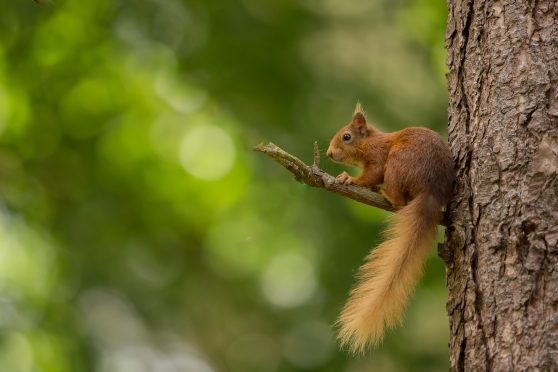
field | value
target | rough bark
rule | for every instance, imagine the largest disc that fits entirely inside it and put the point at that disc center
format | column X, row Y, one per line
column 501, row 249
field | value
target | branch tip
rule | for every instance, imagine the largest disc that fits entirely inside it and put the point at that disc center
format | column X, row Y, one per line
column 316, row 155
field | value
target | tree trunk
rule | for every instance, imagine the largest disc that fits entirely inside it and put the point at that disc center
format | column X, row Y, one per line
column 501, row 249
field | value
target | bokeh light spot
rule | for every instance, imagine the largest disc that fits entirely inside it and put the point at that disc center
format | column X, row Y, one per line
column 27, row 267
column 180, row 96
column 207, row 152
column 110, row 318
column 16, row 353
column 289, row 280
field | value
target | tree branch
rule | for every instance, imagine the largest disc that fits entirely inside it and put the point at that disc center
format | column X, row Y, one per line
column 313, row 176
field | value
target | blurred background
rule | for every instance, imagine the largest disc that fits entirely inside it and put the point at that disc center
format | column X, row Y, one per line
column 140, row 232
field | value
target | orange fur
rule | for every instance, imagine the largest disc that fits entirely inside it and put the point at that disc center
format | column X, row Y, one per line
column 415, row 168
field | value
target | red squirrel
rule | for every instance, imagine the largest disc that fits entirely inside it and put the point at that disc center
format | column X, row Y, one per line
column 414, row 169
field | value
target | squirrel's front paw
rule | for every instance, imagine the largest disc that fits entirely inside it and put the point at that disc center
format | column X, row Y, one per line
column 344, row 178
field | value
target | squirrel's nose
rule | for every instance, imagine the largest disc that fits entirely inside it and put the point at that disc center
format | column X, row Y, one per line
column 329, row 153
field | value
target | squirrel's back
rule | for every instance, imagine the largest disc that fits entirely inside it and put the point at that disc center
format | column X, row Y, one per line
column 420, row 161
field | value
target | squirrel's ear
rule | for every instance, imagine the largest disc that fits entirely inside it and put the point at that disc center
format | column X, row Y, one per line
column 359, row 122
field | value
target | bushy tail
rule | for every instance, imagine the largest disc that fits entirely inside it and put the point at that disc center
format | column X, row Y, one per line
column 390, row 275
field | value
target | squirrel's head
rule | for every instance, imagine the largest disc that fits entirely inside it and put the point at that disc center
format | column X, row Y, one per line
column 345, row 145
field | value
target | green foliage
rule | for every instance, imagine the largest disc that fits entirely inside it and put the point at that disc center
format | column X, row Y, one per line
column 138, row 232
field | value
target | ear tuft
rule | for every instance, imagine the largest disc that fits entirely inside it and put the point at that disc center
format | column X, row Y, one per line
column 358, row 108
column 359, row 120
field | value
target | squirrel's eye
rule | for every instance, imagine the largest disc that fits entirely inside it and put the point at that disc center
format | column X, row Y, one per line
column 347, row 137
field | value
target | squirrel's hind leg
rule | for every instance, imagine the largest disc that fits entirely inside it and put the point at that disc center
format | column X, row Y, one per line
column 396, row 199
